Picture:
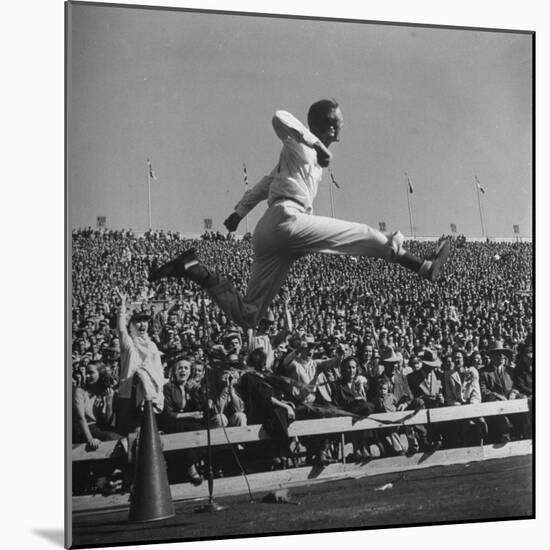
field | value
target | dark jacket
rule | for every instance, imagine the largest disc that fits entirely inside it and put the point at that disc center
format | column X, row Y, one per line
column 495, row 386
column 524, row 382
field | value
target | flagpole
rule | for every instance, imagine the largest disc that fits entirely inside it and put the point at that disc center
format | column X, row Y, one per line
column 246, row 189
column 408, row 188
column 477, row 184
column 331, row 202
column 149, row 192
column 333, row 180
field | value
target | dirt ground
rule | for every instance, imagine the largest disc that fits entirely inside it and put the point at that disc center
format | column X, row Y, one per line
column 491, row 489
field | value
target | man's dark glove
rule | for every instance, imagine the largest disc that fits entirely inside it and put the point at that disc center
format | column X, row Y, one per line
column 232, row 222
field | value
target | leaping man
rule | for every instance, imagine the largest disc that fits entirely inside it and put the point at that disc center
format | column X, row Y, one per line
column 289, row 230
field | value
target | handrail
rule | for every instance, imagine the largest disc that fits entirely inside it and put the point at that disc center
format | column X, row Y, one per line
column 340, row 424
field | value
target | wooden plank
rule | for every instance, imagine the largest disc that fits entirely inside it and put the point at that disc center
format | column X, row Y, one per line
column 218, row 436
column 104, row 451
column 349, row 424
column 342, row 424
column 267, row 481
column 490, row 408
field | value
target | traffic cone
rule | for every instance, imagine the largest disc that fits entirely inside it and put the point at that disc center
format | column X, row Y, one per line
column 150, row 499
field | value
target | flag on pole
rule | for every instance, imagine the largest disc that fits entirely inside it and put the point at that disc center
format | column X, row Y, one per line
column 333, row 179
column 245, row 175
column 479, row 186
column 411, row 188
column 151, row 173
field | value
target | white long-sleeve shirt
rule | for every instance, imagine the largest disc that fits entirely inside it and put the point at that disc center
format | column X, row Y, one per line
column 297, row 174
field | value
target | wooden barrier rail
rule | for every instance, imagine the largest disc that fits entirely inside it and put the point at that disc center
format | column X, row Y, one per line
column 342, row 424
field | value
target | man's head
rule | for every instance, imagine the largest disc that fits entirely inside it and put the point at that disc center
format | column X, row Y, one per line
column 140, row 320
column 172, row 319
column 233, row 343
column 281, row 349
column 430, row 360
column 257, row 359
column 498, row 353
column 477, row 360
column 448, row 363
column 349, row 369
column 325, row 120
column 197, row 370
column 390, row 361
column 382, row 387
column 415, row 363
column 458, row 359
column 181, row 369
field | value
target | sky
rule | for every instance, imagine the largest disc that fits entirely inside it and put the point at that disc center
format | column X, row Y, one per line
column 195, row 92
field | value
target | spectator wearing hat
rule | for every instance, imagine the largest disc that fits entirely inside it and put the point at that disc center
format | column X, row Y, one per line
column 497, row 381
column 395, row 377
column 425, row 385
column 318, row 374
column 427, row 393
column 141, row 372
column 392, row 393
column 497, row 384
column 389, row 440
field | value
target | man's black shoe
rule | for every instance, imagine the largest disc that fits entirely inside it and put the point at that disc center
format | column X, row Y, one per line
column 186, row 265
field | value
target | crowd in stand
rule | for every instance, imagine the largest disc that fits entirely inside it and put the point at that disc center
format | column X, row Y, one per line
column 346, row 336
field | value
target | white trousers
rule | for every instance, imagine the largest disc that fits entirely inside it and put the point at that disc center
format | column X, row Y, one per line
column 284, row 234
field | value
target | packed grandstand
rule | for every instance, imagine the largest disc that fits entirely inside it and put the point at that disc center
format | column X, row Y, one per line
column 346, row 336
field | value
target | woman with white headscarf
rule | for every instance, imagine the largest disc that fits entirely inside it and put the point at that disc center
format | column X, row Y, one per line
column 141, row 372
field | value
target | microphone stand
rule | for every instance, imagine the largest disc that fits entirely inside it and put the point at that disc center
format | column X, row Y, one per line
column 211, row 506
